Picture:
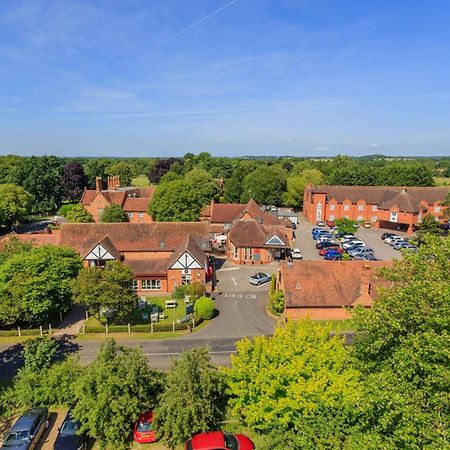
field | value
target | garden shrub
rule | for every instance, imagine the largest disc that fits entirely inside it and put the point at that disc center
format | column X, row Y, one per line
column 204, row 308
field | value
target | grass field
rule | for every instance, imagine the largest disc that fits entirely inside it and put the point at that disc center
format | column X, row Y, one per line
column 442, row 181
column 140, row 181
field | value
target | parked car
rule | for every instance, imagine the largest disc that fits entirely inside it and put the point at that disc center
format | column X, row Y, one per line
column 367, row 225
column 410, row 247
column 347, row 237
column 360, row 253
column 297, row 254
column 398, row 244
column 217, row 440
column 144, row 432
column 325, row 239
column 389, row 239
column 335, row 248
column 259, row 278
column 317, row 234
column 368, row 258
column 331, row 223
column 333, row 256
column 351, row 244
column 341, row 234
column 325, row 244
column 69, row 436
column 28, row 429
column 393, row 241
column 386, row 235
column 320, row 223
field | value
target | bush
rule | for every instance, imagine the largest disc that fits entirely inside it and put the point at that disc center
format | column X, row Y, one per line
column 204, row 308
column 180, row 292
column 66, row 208
column 277, row 302
column 39, row 353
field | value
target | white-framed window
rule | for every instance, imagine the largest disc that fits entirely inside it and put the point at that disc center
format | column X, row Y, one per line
column 141, row 215
column 360, row 218
column 374, row 207
column 331, row 217
column 346, row 207
column 374, row 218
column 234, row 251
column 186, row 279
column 319, row 212
column 100, row 211
column 360, row 207
column 151, row 285
column 134, row 285
column 332, row 206
column 437, row 209
column 130, row 215
column 248, row 253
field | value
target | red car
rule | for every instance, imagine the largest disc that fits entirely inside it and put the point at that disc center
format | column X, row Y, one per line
column 331, row 223
column 325, row 250
column 216, row 440
column 143, row 429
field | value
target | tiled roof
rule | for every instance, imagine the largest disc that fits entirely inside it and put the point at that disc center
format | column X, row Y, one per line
column 120, row 196
column 225, row 212
column 88, row 196
column 136, row 204
column 115, row 197
column 132, row 237
column 321, row 284
column 406, row 198
column 251, row 233
column 256, row 213
column 192, row 246
column 149, row 267
column 34, row 238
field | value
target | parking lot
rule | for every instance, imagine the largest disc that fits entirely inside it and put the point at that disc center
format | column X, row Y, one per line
column 371, row 237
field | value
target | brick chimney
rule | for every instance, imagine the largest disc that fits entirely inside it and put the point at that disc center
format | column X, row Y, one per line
column 98, row 183
column 113, row 182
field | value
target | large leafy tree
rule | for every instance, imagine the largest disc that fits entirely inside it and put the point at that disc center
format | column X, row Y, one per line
column 123, row 170
column 73, row 180
column 113, row 214
column 106, row 288
column 15, row 204
column 193, row 399
column 233, row 189
column 402, row 349
column 79, row 214
column 112, row 392
column 182, row 200
column 161, row 167
column 299, row 381
column 35, row 286
column 39, row 353
column 429, row 226
column 265, row 185
column 93, row 168
column 295, row 186
column 40, row 176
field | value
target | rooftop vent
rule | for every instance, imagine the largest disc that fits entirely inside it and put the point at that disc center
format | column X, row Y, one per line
column 162, row 244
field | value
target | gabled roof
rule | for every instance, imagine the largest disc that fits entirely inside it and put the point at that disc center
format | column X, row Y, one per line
column 224, row 212
column 120, row 196
column 108, row 246
column 190, row 245
column 325, row 284
column 136, row 204
column 147, row 267
column 132, row 237
column 251, row 233
column 256, row 213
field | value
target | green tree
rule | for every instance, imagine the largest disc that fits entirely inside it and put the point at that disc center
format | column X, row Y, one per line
column 193, row 399
column 13, row 246
column 296, row 185
column 204, row 308
column 108, row 289
column 266, row 185
column 233, row 189
column 40, row 176
column 15, row 204
column 300, row 380
column 79, row 214
column 428, row 226
column 39, row 353
column 93, row 168
column 113, row 214
column 35, row 286
column 123, row 170
column 112, row 392
column 346, row 226
column 402, row 349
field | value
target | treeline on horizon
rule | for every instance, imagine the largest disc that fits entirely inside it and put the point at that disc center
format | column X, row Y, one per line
column 52, row 180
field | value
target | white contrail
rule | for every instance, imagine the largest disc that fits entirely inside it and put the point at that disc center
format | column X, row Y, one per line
column 192, row 25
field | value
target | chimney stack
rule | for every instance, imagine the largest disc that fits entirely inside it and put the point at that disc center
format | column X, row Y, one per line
column 98, row 183
column 365, row 279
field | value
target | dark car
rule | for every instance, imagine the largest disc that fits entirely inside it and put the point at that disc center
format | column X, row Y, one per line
column 334, row 248
column 341, row 234
column 217, row 440
column 28, row 429
column 69, row 435
column 386, row 235
column 259, row 278
column 325, row 244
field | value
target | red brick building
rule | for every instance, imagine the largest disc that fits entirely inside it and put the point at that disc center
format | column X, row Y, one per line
column 134, row 201
column 322, row 290
column 161, row 255
column 382, row 206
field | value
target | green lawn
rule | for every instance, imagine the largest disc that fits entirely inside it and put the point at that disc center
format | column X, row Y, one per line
column 442, row 181
column 140, row 181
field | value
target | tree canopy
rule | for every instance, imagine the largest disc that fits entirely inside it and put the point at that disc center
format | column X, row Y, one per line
column 15, row 204
column 161, row 167
column 265, row 185
column 79, row 214
column 113, row 214
column 73, row 180
column 123, row 170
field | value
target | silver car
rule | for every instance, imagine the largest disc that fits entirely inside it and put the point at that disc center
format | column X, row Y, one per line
column 259, row 278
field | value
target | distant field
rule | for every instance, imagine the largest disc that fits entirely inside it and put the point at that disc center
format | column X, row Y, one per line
column 140, row 181
column 442, row 181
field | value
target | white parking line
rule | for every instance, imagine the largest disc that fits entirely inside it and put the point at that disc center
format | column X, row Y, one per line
column 234, row 281
column 228, row 268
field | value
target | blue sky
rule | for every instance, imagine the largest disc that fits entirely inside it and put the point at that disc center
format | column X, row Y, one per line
column 242, row 77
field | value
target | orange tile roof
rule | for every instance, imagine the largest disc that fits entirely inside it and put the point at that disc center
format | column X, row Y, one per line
column 251, row 233
column 136, row 204
column 318, row 284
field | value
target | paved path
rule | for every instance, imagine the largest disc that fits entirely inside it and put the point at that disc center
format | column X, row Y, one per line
column 72, row 323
